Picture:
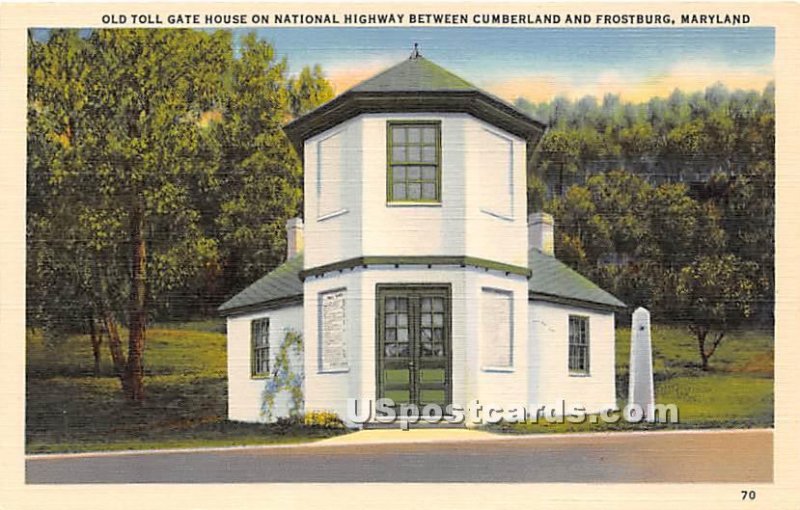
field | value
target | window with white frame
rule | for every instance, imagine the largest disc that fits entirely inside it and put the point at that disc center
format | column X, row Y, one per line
column 497, row 329
column 578, row 345
column 259, row 347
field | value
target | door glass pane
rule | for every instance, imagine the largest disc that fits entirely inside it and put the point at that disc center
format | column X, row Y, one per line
column 425, row 304
column 396, row 350
column 402, row 335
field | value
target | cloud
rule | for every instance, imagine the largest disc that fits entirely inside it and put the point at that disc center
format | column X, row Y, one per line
column 345, row 75
column 690, row 76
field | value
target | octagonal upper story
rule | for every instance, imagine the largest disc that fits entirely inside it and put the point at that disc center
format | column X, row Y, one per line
column 415, row 162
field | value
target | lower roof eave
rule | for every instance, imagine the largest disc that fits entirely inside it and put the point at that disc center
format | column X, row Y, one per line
column 561, row 300
column 265, row 305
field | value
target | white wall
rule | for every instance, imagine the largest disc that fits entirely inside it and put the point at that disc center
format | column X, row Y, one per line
column 470, row 381
column 245, row 392
column 483, row 195
column 551, row 381
column 493, row 385
column 333, row 203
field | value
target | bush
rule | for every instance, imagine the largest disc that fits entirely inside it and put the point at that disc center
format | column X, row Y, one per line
column 322, row 420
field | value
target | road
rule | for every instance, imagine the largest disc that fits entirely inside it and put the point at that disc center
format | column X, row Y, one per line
column 724, row 456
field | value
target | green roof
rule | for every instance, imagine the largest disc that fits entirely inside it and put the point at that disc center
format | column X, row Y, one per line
column 414, row 75
column 280, row 286
column 551, row 280
column 415, row 85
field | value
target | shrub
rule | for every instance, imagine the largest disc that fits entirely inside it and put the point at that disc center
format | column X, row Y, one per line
column 322, row 420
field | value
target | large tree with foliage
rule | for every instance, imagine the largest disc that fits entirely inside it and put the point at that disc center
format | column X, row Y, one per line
column 158, row 173
column 131, row 160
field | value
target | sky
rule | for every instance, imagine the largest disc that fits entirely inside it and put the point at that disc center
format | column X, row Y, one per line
column 540, row 64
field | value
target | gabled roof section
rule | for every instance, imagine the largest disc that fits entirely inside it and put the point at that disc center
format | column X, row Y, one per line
column 415, row 85
column 280, row 287
column 552, row 280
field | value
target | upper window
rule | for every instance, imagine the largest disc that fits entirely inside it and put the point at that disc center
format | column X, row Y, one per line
column 578, row 345
column 414, row 162
column 259, row 344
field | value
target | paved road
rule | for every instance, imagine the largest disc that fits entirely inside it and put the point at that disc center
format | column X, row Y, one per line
column 741, row 456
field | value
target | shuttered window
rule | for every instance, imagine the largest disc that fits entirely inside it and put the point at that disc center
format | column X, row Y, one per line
column 578, row 345
column 497, row 330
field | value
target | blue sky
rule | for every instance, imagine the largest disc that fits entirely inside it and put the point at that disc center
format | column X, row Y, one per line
column 541, row 63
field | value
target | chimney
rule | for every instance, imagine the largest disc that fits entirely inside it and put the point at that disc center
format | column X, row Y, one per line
column 540, row 233
column 294, row 237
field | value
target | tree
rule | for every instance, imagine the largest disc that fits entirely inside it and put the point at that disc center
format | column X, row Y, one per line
column 261, row 185
column 308, row 90
column 716, row 294
column 133, row 158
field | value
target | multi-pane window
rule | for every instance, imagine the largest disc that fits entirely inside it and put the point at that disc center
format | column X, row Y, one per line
column 578, row 344
column 259, row 342
column 414, row 170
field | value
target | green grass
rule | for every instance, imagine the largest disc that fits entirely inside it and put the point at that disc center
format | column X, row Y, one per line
column 70, row 409
column 737, row 391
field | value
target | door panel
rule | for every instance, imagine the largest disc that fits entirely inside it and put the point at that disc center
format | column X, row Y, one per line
column 413, row 358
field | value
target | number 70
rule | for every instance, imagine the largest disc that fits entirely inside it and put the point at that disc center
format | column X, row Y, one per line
column 751, row 495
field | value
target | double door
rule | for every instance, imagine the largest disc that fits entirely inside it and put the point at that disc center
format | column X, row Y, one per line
column 414, row 359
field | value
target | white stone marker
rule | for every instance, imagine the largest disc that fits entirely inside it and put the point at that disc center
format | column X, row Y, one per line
column 640, row 384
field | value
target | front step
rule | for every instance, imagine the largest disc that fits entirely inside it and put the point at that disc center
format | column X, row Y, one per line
column 421, row 424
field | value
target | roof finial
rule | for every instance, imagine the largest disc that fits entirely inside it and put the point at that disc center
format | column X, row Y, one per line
column 415, row 54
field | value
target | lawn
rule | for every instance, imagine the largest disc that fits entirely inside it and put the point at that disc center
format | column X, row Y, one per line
column 70, row 409
column 737, row 391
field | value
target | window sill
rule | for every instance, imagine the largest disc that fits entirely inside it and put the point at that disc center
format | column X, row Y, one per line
column 497, row 215
column 580, row 374
column 503, row 370
column 334, row 371
column 333, row 214
column 259, row 377
column 413, row 204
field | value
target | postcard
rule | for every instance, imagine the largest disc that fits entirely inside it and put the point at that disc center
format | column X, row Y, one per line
column 293, row 253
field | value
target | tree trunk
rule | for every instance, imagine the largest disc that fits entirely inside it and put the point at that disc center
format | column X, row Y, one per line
column 137, row 311
column 96, row 340
column 115, row 348
column 701, row 343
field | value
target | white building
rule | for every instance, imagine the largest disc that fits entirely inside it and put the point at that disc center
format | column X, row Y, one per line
column 418, row 274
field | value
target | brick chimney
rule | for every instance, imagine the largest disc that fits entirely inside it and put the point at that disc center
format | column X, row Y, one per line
column 540, row 233
column 294, row 237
